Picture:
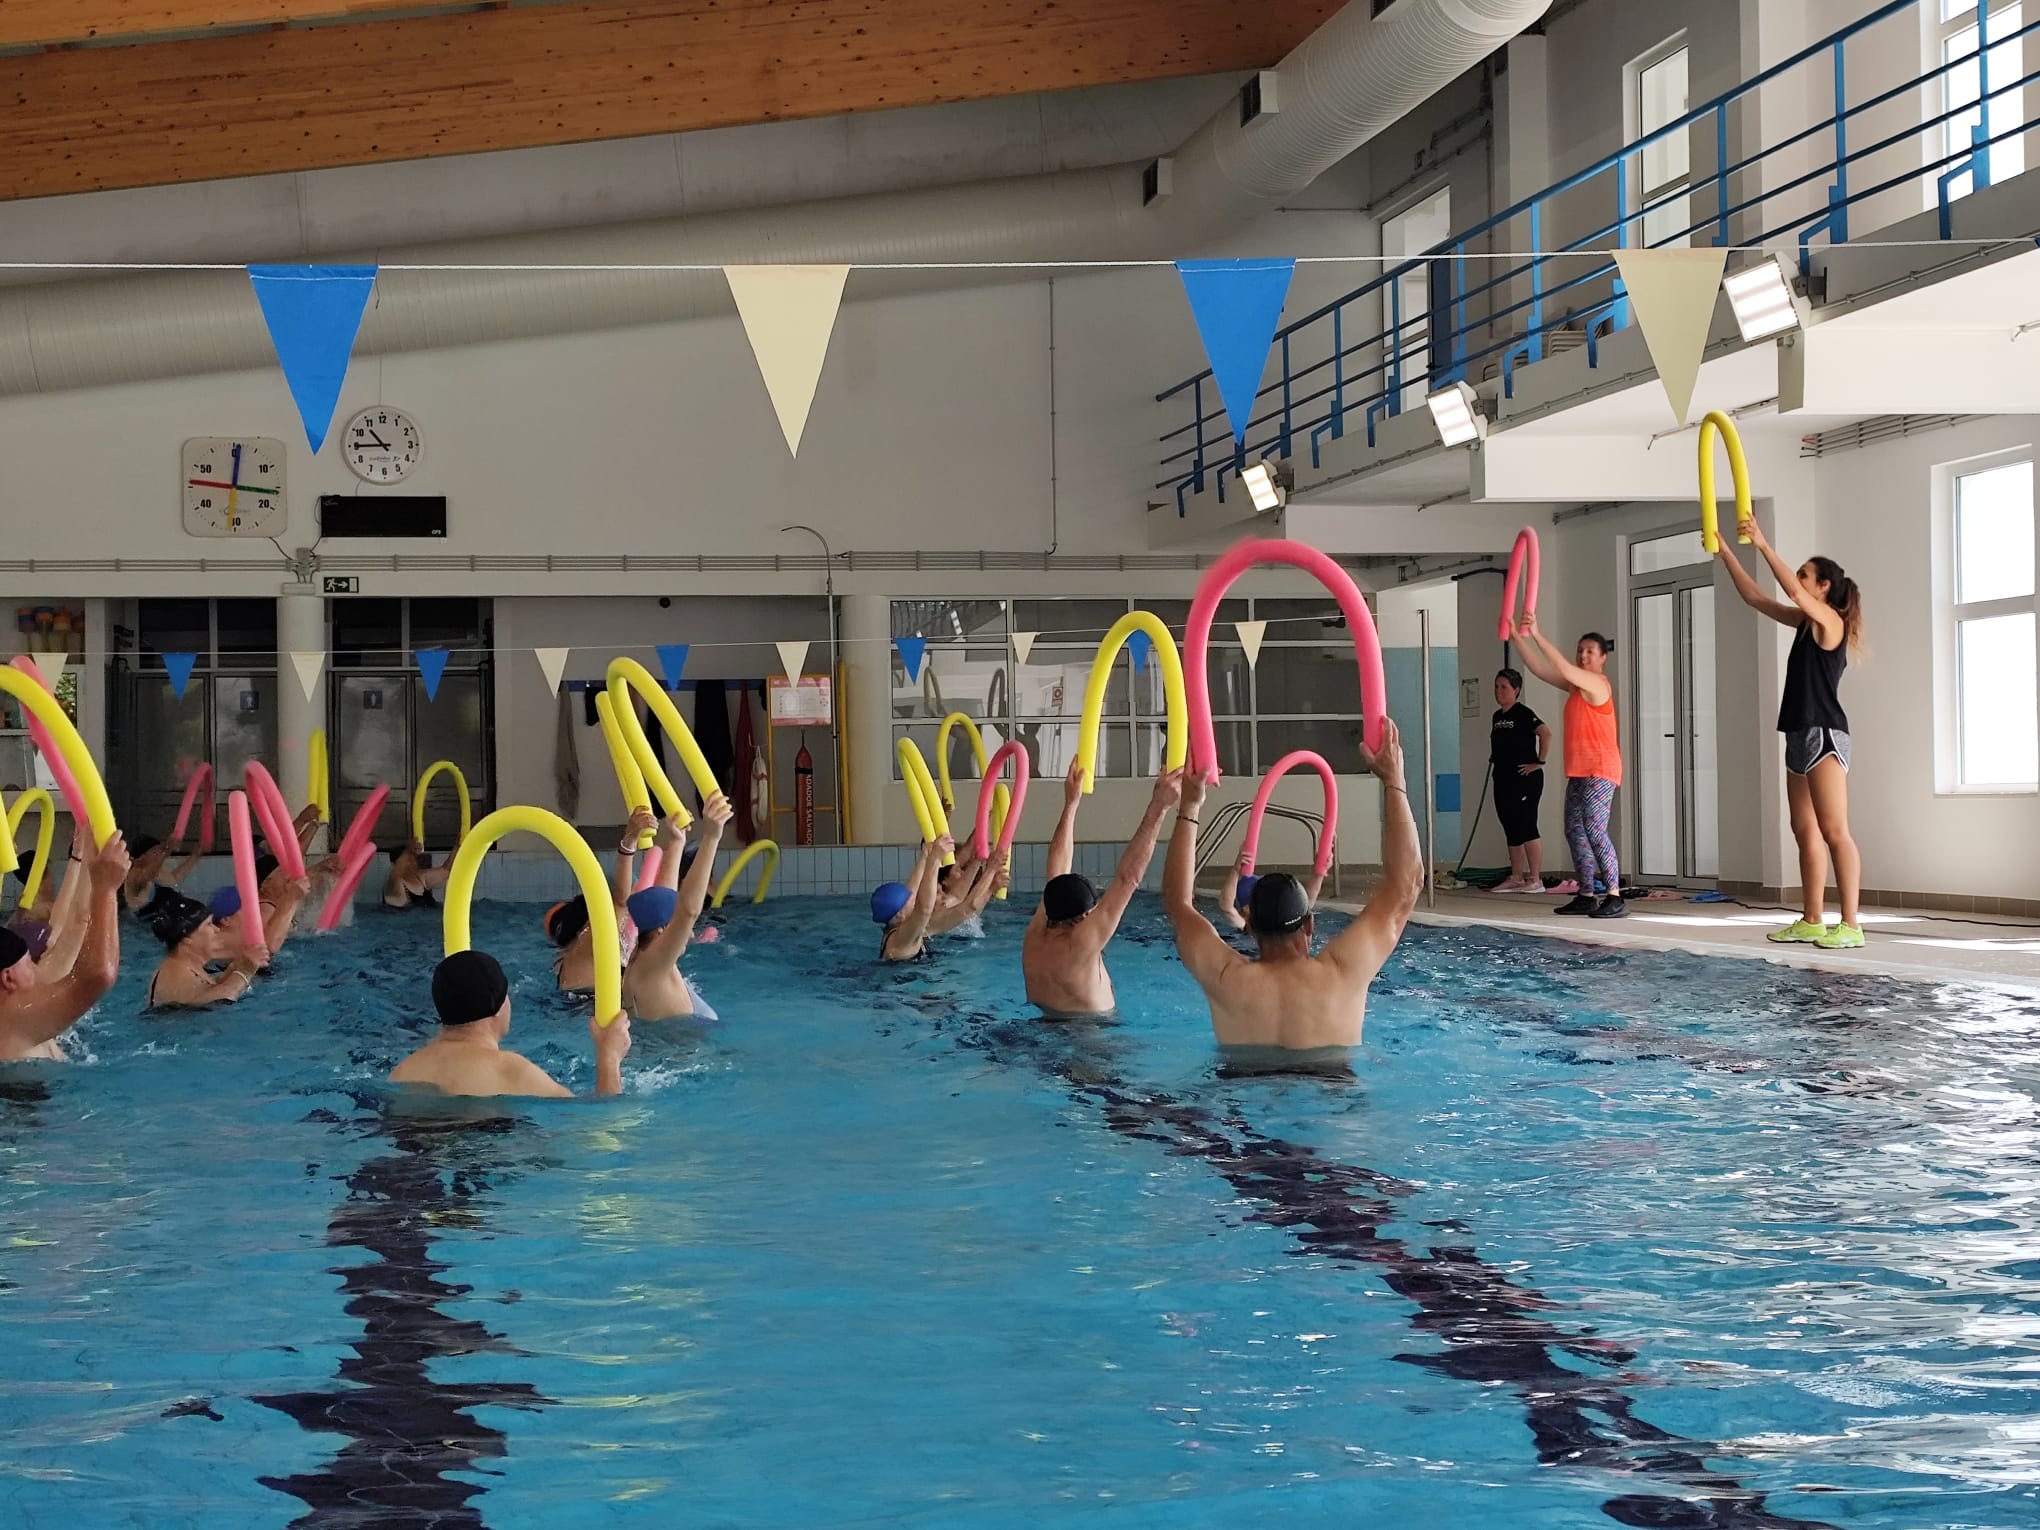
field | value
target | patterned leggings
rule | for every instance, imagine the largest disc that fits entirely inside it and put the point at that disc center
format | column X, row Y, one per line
column 1588, row 801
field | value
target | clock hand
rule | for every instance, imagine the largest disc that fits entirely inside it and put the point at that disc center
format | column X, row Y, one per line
column 378, row 440
column 234, row 489
column 215, row 483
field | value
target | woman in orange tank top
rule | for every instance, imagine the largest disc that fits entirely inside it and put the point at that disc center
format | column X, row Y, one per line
column 1593, row 763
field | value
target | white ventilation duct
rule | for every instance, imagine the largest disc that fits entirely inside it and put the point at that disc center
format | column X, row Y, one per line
column 1350, row 79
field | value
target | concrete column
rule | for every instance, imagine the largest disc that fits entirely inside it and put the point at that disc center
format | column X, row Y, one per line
column 1480, row 655
column 867, row 662
column 300, row 627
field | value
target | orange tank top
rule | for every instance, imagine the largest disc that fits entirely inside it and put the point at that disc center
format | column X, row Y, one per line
column 1591, row 747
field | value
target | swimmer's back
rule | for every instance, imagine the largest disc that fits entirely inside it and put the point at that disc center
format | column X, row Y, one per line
column 485, row 1073
column 1300, row 1004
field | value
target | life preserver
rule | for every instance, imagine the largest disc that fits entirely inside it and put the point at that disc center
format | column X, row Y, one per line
column 761, row 795
column 1252, row 846
column 1178, row 744
column 756, row 848
column 45, row 840
column 467, row 864
column 1717, row 423
column 1211, row 589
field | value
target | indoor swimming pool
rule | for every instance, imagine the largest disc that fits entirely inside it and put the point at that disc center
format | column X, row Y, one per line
column 1581, row 1236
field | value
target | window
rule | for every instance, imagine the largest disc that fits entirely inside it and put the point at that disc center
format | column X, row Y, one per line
column 1416, row 229
column 1953, row 43
column 1661, row 171
column 1659, row 554
column 1991, row 651
column 1301, row 695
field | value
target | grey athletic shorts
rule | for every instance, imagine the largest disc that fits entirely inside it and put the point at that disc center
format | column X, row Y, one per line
column 1807, row 747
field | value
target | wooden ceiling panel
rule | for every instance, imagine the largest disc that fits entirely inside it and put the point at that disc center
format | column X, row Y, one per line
column 412, row 88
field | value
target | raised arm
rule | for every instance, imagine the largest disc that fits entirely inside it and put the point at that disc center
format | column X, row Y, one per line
column 1062, row 849
column 1229, row 894
column 1133, row 861
column 672, row 843
column 673, row 939
column 624, row 874
column 46, row 1011
column 70, row 917
column 285, row 896
column 1806, row 606
column 1746, row 587
column 612, row 1045
column 1363, row 946
column 927, row 890
column 175, row 876
column 1204, row 953
column 1556, row 669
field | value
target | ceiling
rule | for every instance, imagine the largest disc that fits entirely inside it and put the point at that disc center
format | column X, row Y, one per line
column 108, row 93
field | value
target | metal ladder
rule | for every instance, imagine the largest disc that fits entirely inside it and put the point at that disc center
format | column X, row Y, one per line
column 1233, row 812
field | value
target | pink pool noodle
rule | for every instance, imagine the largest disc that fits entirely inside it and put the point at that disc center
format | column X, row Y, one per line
column 1283, row 766
column 1523, row 561
column 53, row 757
column 201, row 778
column 274, row 814
column 988, row 790
column 241, row 838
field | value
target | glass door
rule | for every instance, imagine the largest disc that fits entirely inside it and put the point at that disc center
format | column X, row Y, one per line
column 1673, row 748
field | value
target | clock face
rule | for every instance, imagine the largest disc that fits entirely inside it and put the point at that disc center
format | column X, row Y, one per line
column 382, row 445
column 233, row 487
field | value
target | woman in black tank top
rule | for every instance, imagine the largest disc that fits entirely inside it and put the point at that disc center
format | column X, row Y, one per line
column 1825, row 611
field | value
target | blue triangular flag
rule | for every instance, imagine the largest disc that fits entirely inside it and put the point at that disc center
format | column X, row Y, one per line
column 313, row 313
column 432, row 665
column 1137, row 646
column 1237, row 304
column 672, row 660
column 912, row 651
column 179, row 665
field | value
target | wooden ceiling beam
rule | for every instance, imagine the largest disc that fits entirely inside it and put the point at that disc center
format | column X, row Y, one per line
column 48, row 23
column 300, row 99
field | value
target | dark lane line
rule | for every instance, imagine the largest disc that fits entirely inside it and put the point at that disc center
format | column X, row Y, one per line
column 1489, row 1327
column 406, row 1433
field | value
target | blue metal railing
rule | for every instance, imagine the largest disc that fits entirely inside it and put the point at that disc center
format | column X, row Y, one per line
column 1370, row 376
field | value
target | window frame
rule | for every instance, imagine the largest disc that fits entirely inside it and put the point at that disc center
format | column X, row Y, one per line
column 1633, row 129
column 1938, row 141
column 1950, row 616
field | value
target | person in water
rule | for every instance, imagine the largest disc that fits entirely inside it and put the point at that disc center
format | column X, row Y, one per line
column 197, row 939
column 665, row 915
column 1063, row 954
column 1290, row 998
column 152, row 874
column 566, row 924
column 1825, row 614
column 468, row 1057
column 413, row 879
column 906, row 909
column 964, row 890
column 1238, row 888
column 36, row 1009
column 1593, row 763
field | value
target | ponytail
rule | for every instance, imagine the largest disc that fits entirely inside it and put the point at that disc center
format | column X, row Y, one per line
column 1845, row 597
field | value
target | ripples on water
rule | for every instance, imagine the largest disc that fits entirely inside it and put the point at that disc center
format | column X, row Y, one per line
column 1584, row 1237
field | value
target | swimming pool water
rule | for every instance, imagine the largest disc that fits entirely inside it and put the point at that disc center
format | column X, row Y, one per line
column 1585, row 1237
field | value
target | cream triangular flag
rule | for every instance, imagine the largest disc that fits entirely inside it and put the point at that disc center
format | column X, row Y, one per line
column 309, row 667
column 789, row 312
column 1251, row 634
column 792, row 656
column 1023, row 644
column 552, row 663
column 51, row 665
column 1673, row 292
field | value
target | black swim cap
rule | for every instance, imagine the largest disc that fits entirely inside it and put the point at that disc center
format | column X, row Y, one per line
column 1068, row 897
column 265, row 865
column 468, row 986
column 175, row 917
column 1279, row 905
column 12, row 949
column 563, row 926
column 140, row 845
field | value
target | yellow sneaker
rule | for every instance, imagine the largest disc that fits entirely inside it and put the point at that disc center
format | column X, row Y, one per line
column 1801, row 933
column 1840, row 937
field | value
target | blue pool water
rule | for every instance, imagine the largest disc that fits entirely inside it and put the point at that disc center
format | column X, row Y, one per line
column 1585, row 1238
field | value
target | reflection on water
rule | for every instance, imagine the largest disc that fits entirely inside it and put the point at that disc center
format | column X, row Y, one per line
column 406, row 1432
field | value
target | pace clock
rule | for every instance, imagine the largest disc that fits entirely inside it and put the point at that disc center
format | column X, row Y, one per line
column 234, row 487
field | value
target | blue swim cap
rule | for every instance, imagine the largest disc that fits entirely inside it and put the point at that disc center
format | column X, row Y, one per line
column 651, row 908
column 887, row 899
column 225, row 903
column 1245, row 890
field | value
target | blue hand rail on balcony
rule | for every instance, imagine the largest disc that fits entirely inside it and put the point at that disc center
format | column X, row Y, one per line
column 1374, row 375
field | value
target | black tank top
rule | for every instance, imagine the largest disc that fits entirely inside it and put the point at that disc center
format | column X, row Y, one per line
column 1813, row 685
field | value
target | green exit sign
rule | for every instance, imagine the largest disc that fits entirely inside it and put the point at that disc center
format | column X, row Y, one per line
column 343, row 584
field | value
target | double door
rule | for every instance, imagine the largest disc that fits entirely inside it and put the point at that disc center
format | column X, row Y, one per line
column 1674, row 783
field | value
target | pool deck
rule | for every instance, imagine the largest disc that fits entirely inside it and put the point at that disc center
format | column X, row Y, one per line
column 2003, row 952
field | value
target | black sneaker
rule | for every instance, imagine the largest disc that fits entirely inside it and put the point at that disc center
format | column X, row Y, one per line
column 1611, row 908
column 1583, row 904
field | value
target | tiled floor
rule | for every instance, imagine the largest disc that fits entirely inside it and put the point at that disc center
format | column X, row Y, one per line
column 1905, row 942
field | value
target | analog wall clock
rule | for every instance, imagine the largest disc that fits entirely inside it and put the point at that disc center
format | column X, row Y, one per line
column 382, row 444
column 233, row 487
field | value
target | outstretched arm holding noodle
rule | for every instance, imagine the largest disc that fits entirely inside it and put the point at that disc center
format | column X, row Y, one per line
column 1062, row 849
column 1806, row 607
column 1139, row 851
column 668, row 945
column 1205, row 953
column 1364, row 945
column 34, row 1014
column 69, row 920
column 1555, row 669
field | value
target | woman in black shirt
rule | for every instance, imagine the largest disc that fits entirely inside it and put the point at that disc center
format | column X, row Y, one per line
column 1826, row 615
column 1518, row 740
